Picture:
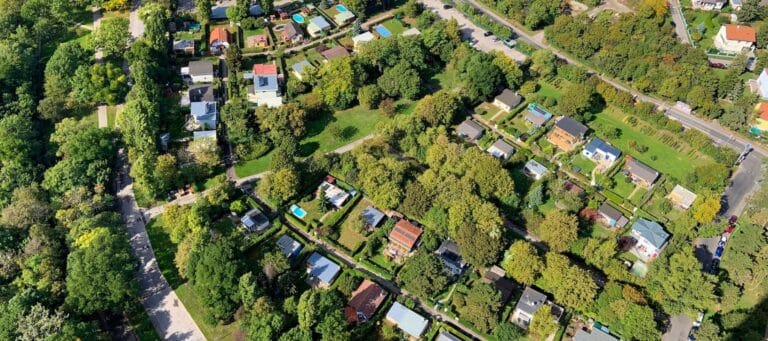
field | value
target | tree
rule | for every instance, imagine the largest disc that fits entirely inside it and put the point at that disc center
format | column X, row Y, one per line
column 559, row 229
column 280, row 186
column 338, row 81
column 542, row 324
column 203, row 10
column 412, row 8
column 112, row 36
column 706, row 208
column 481, row 76
column 709, row 331
column 205, row 152
column 237, row 13
column 680, row 285
column 214, row 271
column 28, row 207
column 536, row 196
column 512, row 73
column 478, row 248
column 100, row 83
column 543, row 63
column 167, row 171
column 482, row 306
column 508, row 331
column 268, row 6
column 155, row 19
column 440, row 108
column 67, row 58
column 423, row 275
column 400, row 80
column 274, row 263
column 369, row 96
column 522, row 262
column 751, row 10
column 263, row 321
column 577, row 100
column 581, row 288
column 319, row 310
column 39, row 323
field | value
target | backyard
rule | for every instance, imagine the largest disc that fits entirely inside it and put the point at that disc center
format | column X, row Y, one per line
column 394, row 26
column 704, row 26
column 348, row 236
column 584, row 165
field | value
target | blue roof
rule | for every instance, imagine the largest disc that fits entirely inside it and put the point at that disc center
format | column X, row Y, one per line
column 219, row 12
column 598, row 144
column 265, row 83
column 651, row 231
column 300, row 66
column 255, row 10
column 407, row 320
column 203, row 111
column 320, row 22
column 322, row 268
column 539, row 111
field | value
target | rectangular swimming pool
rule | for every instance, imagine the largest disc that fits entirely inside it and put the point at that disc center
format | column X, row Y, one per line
column 382, row 31
column 298, row 211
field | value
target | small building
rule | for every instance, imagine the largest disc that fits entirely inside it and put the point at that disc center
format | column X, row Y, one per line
column 205, row 134
column 736, row 5
column 501, row 149
column 343, row 17
column 365, row 301
column 219, row 12
column 641, row 174
column 259, row 40
column 601, row 152
column 197, row 93
column 507, row 100
column 762, row 84
column 292, row 33
column 362, row 38
column 289, row 246
column 735, row 38
column 255, row 220
column 403, row 239
column 200, row 71
column 219, row 40
column 451, row 257
column 533, row 169
column 708, row 5
column 611, row 217
column 594, row 334
column 567, row 133
column 470, row 130
column 497, row 277
column 530, row 302
column 335, row 195
column 298, row 68
column 681, row 197
column 651, row 239
column 335, row 53
column 411, row 32
column 407, row 320
column 372, row 216
column 317, row 26
column 761, row 121
column 537, row 116
column 204, row 115
column 447, row 336
column 184, row 46
column 266, row 87
column 321, row 270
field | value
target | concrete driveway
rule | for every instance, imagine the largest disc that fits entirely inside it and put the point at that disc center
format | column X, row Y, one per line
column 679, row 327
column 468, row 29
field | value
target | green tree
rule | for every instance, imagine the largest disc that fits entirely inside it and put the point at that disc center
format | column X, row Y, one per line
column 29, row 206
column 581, row 288
column 203, row 10
column 338, row 82
column 248, row 289
column 112, row 36
column 263, row 321
column 482, row 306
column 543, row 63
column 268, row 6
column 440, row 108
column 478, row 248
column 369, row 96
column 167, row 171
column 522, row 262
column 481, row 76
column 706, row 208
column 559, row 229
column 680, row 285
column 100, row 83
column 39, row 323
column 274, row 263
column 423, row 275
column 542, row 324
column 508, row 331
column 400, row 80
column 513, row 75
column 155, row 19
column 751, row 10
column 280, row 186
column 214, row 271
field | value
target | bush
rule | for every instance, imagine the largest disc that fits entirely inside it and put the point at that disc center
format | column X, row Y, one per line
column 252, row 23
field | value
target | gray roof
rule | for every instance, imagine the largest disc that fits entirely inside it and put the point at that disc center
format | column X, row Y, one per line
column 595, row 335
column 449, row 252
column 300, row 66
column 641, row 170
column 446, row 336
column 597, row 144
column 320, row 22
column 651, row 231
column 255, row 10
column 372, row 216
column 535, row 167
column 322, row 268
column 610, row 211
column 537, row 115
column 335, row 52
column 255, row 220
column 470, row 129
column 509, row 98
column 571, row 126
column 288, row 245
column 265, row 83
column 200, row 68
column 201, row 93
column 530, row 301
column 204, row 111
column 503, row 146
column 292, row 29
column 407, row 320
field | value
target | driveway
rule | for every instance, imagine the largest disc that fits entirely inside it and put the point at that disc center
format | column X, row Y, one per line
column 135, row 26
column 468, row 29
column 704, row 249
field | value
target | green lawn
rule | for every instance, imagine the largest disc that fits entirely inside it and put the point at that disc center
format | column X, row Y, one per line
column 709, row 21
column 622, row 187
column 667, row 159
column 255, row 166
column 395, row 26
column 348, row 237
column 196, row 310
column 586, row 165
column 447, row 80
column 488, row 110
column 549, row 91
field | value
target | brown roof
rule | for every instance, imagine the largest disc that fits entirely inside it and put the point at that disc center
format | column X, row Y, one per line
column 405, row 233
column 336, row 52
column 740, row 33
column 291, row 30
column 763, row 110
column 219, row 34
column 365, row 300
column 264, row 69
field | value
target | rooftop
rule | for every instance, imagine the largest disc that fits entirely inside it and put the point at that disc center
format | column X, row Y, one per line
column 320, row 22
column 288, row 245
column 205, row 134
column 363, row 37
column 201, row 68
column 597, row 144
column 571, row 126
column 255, row 220
column 264, row 69
column 407, row 320
column 682, row 196
column 300, row 66
column 470, row 129
column 594, row 335
column 219, row 34
column 510, row 98
column 740, row 33
column 335, row 52
column 366, row 299
column 651, row 231
column 503, row 147
column 530, row 301
column 762, row 110
column 609, row 211
column 322, row 268
column 405, row 233
column 265, row 83
column 641, row 170
column 372, row 216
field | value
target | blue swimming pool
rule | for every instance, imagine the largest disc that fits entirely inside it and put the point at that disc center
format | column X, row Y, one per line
column 382, row 31
column 341, row 8
column 298, row 211
column 298, row 18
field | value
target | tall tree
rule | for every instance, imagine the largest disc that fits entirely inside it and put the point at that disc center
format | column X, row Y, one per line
column 214, row 273
column 559, row 229
column 155, row 19
column 203, row 10
column 482, row 305
column 112, row 36
column 423, row 275
column 522, row 262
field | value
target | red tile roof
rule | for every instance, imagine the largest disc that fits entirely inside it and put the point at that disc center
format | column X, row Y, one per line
column 365, row 300
column 264, row 69
column 405, row 234
column 762, row 110
column 219, row 34
column 740, row 33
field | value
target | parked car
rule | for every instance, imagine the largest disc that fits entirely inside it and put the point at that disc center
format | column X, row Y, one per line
column 717, row 65
column 713, row 267
column 732, row 220
column 510, row 43
column 487, row 34
column 446, row 6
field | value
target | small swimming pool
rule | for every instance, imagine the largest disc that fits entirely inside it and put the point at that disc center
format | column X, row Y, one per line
column 341, row 8
column 298, row 18
column 382, row 31
column 298, row 211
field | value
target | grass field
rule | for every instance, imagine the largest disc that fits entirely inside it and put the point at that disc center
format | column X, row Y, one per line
column 196, row 310
column 622, row 187
column 585, row 165
column 348, row 237
column 549, row 91
column 395, row 26
column 488, row 110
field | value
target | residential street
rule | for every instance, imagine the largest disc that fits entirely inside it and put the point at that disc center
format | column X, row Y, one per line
column 678, row 21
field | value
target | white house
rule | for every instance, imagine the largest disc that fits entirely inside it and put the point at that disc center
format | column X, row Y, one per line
column 507, row 100
column 501, row 149
column 735, row 38
column 204, row 115
column 407, row 320
column 362, row 38
column 601, row 152
column 200, row 71
column 255, row 220
column 530, row 302
column 535, row 170
column 708, row 5
column 317, row 26
column 266, row 90
column 651, row 239
column 335, row 195
column 762, row 84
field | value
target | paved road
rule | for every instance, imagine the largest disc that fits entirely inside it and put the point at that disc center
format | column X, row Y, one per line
column 468, row 29
column 743, row 183
column 135, row 25
column 680, row 326
column 679, row 21
column 168, row 315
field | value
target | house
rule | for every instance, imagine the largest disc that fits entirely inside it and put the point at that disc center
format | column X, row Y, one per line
column 298, row 68
column 533, row 169
column 762, row 84
column 681, row 197
column 594, row 334
column 735, row 38
column 321, row 270
column 736, row 5
column 219, row 40
column 601, row 152
column 362, row 38
column 446, row 336
column 610, row 216
column 761, row 122
column 537, row 116
column 507, row 100
column 255, row 220
column 501, row 149
column 530, row 302
column 497, row 276
column 403, row 239
column 197, row 93
column 334, row 53
column 335, row 195
column 343, row 17
column 288, row 246
column 651, row 239
column 205, row 134
column 708, row 5
column 259, row 40
column 317, row 26
column 365, row 301
column 266, row 88
column 449, row 254
column 567, row 133
column 292, row 33
column 372, row 216
column 407, row 320
column 641, row 174
column 184, row 46
column 203, row 115
column 470, row 130
column 200, row 71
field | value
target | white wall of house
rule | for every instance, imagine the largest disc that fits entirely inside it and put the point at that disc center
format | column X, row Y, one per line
column 730, row 46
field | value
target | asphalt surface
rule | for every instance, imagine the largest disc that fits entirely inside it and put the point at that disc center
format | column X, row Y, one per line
column 679, row 328
column 743, row 182
column 679, row 21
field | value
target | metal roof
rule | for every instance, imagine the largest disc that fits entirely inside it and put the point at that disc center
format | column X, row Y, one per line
column 407, row 320
column 650, row 231
column 322, row 268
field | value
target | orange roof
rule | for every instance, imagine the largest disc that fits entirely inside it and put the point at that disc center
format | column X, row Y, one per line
column 740, row 33
column 365, row 300
column 264, row 69
column 762, row 110
column 405, row 233
column 219, row 34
